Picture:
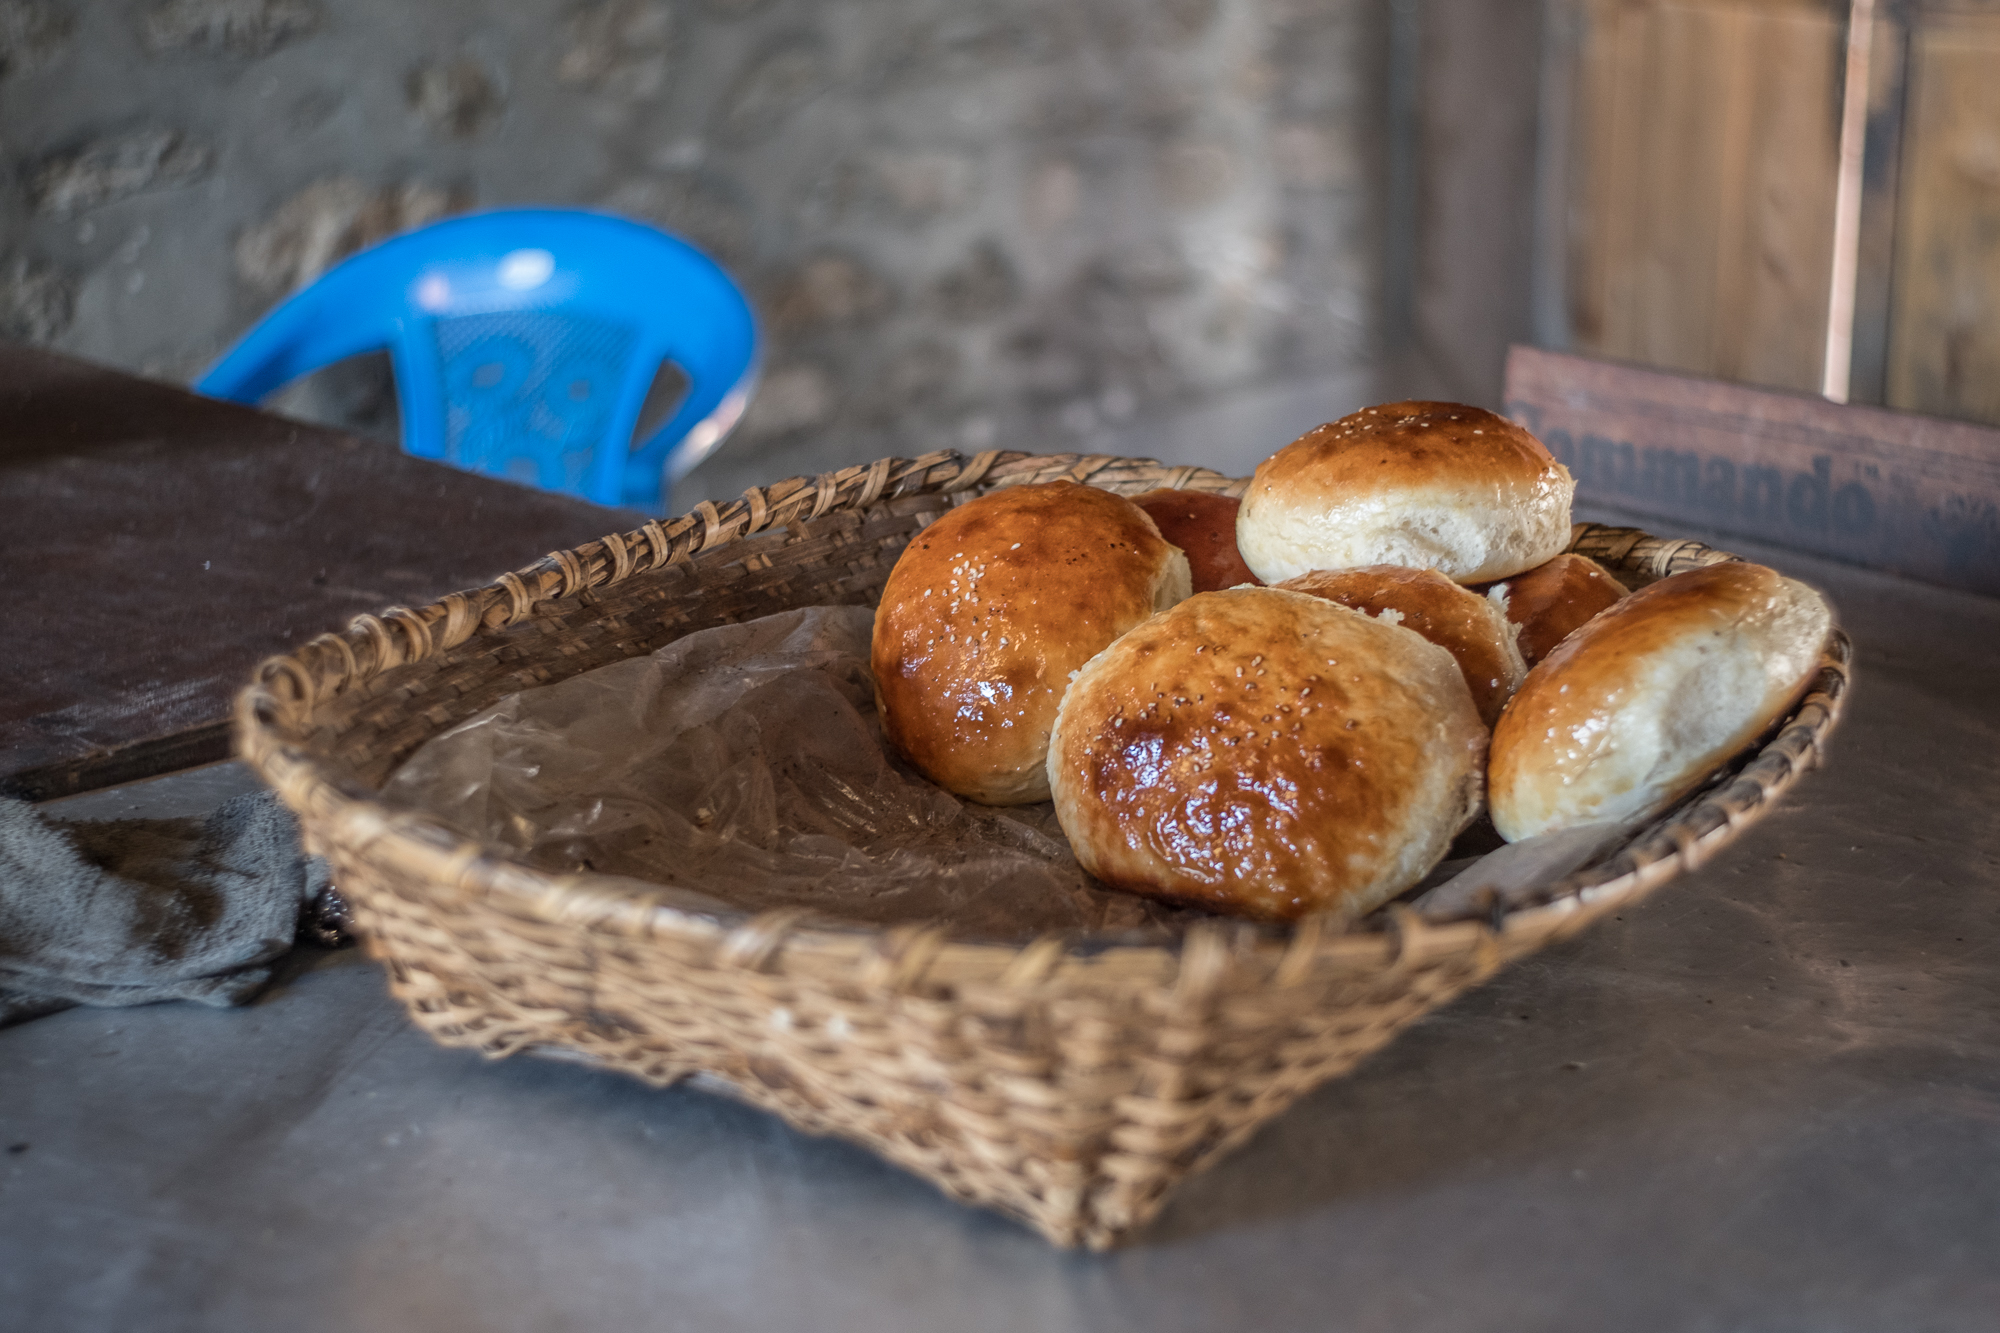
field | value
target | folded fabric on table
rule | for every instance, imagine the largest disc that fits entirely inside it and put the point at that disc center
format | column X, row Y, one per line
column 131, row 911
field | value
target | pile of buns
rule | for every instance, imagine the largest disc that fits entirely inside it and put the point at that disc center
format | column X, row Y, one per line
column 1296, row 704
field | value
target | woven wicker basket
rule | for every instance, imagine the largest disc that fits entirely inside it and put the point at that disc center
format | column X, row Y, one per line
column 1069, row 1083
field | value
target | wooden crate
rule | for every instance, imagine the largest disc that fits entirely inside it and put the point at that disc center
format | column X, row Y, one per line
column 1909, row 494
column 1696, row 176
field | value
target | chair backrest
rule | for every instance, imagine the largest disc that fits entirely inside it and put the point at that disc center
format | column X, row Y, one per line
column 524, row 342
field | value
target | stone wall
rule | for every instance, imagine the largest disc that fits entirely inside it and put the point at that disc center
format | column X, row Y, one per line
column 1013, row 222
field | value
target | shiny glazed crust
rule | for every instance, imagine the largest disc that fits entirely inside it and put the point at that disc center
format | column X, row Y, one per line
column 1551, row 602
column 1266, row 753
column 1204, row 526
column 987, row 613
column 1464, row 624
column 1431, row 485
column 1632, row 710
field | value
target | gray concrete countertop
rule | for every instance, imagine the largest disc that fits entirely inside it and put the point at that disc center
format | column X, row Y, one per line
column 1766, row 1099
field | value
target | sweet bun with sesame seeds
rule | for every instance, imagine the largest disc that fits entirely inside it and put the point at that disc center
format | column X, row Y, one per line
column 988, row 612
column 1629, row 713
column 1436, row 486
column 1469, row 627
column 1266, row 753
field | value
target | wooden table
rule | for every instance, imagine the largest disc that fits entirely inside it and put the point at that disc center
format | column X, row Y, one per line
column 155, row 546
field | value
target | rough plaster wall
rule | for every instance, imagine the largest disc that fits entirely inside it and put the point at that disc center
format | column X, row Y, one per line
column 1014, row 222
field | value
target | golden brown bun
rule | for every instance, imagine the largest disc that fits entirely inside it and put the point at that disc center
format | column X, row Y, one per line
column 1551, row 601
column 1456, row 619
column 1430, row 485
column 1631, row 711
column 987, row 613
column 1204, row 526
column 1266, row 753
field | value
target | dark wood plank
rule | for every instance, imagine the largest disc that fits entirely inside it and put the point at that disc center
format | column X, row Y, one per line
column 1913, row 495
column 155, row 546
column 209, row 744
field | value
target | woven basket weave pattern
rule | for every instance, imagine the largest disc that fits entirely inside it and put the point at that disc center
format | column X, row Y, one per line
column 1068, row 1084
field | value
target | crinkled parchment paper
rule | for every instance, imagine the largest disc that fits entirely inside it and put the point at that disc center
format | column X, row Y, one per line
column 744, row 767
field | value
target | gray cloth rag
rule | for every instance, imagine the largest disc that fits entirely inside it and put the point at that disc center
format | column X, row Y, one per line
column 131, row 911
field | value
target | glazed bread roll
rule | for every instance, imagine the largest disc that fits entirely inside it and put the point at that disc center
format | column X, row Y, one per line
column 1265, row 753
column 1430, row 485
column 1551, row 601
column 1631, row 711
column 1469, row 627
column 987, row 613
column 1204, row 526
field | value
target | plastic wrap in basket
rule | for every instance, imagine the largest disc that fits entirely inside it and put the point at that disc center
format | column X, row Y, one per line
column 1069, row 1082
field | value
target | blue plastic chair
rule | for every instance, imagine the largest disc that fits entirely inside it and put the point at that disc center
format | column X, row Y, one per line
column 524, row 342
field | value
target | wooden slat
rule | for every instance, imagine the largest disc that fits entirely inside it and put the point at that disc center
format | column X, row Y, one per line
column 1783, row 264
column 1610, row 52
column 1704, row 176
column 1912, row 495
column 1944, row 342
column 1691, row 99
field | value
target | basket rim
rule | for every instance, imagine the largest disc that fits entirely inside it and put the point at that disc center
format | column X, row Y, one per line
column 273, row 710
